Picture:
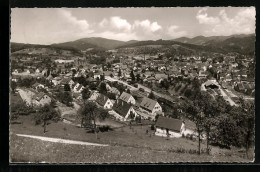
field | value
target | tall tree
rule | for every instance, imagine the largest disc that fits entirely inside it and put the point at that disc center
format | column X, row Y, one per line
column 119, row 73
column 66, row 87
column 44, row 115
column 89, row 113
column 132, row 75
column 85, row 94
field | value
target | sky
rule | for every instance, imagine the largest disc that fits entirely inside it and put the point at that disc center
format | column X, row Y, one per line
column 56, row 25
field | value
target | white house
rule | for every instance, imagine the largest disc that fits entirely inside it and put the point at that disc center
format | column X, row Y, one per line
column 94, row 96
column 169, row 127
column 123, row 110
column 104, row 101
column 128, row 98
column 41, row 99
column 150, row 106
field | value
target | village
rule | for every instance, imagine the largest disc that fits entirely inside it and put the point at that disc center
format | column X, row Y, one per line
column 154, row 91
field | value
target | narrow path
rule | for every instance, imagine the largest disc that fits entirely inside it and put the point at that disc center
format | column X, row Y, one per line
column 58, row 140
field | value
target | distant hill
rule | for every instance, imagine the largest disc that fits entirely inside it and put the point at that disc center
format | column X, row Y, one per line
column 235, row 43
column 202, row 40
column 244, row 44
column 94, row 42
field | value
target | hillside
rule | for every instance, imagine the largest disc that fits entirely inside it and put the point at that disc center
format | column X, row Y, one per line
column 94, row 42
column 243, row 44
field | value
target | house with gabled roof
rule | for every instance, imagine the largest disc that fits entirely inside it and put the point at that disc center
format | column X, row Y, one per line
column 37, row 85
column 124, row 110
column 40, row 99
column 128, row 98
column 104, row 101
column 150, row 105
column 115, row 91
column 169, row 127
column 94, row 96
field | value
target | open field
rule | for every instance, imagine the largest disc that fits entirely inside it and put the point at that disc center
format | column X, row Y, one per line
column 126, row 145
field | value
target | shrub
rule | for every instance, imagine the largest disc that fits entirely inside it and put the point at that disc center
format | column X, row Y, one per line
column 152, row 127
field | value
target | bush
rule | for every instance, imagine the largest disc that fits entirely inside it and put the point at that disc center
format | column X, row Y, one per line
column 105, row 128
column 152, row 127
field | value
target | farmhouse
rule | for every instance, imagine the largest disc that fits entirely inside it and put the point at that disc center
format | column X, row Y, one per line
column 125, row 110
column 94, row 96
column 41, row 99
column 37, row 86
column 169, row 127
column 128, row 98
column 104, row 101
column 151, row 106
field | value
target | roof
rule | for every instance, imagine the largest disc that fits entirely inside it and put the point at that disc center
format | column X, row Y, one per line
column 65, row 81
column 148, row 103
column 114, row 90
column 108, row 73
column 169, row 123
column 208, row 83
column 102, row 99
column 39, row 96
column 161, row 76
column 125, row 96
column 121, row 107
column 35, row 84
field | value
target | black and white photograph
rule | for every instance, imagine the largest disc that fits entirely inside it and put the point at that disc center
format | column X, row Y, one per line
column 132, row 85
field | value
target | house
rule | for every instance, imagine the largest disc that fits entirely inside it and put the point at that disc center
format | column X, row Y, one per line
column 17, row 71
column 97, row 75
column 38, row 70
column 115, row 91
column 210, row 84
column 94, row 96
column 40, row 99
column 202, row 74
column 68, row 81
column 151, row 106
column 37, row 86
column 128, row 98
column 169, row 127
column 124, row 110
column 79, row 89
column 104, row 101
column 160, row 77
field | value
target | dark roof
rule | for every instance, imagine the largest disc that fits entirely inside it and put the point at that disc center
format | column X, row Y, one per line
column 102, row 99
column 65, row 81
column 125, row 96
column 148, row 103
column 169, row 123
column 121, row 107
column 39, row 96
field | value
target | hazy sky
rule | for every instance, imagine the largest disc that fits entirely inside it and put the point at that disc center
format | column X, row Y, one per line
column 55, row 25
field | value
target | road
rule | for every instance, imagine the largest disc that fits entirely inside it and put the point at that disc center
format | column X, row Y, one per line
column 58, row 140
column 227, row 98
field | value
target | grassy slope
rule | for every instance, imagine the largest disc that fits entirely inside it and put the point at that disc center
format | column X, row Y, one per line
column 39, row 151
column 127, row 145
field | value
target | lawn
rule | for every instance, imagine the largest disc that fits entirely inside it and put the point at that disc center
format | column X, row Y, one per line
column 30, row 150
column 126, row 145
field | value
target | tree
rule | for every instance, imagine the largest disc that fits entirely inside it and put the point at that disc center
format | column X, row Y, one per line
column 132, row 75
column 119, row 73
column 151, row 95
column 85, row 94
column 65, row 97
column 103, row 88
column 13, row 86
column 128, row 91
column 66, row 87
column 89, row 113
column 197, row 116
column 44, row 115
